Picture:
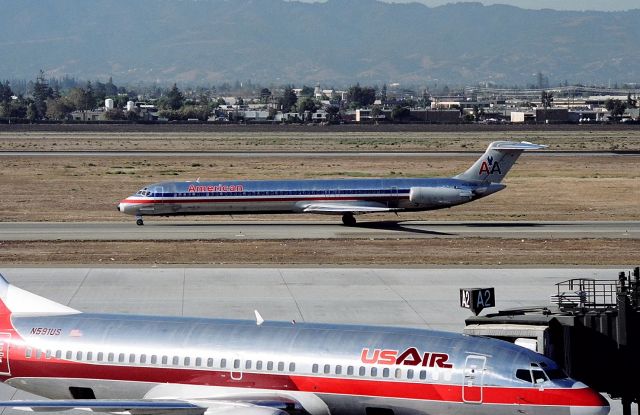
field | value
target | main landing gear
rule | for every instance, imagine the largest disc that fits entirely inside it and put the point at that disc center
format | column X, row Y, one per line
column 139, row 221
column 348, row 219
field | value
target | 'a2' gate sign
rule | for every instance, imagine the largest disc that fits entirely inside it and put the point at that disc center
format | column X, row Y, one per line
column 477, row 299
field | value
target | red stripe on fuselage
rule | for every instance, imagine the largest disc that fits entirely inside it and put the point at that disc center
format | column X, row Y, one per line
column 256, row 199
column 57, row 368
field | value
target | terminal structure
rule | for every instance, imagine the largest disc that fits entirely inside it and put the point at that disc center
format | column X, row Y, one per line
column 591, row 328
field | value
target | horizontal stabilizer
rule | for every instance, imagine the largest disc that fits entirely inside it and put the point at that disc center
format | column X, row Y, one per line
column 513, row 145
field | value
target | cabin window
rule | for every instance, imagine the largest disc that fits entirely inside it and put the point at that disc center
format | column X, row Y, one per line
column 69, row 355
column 236, row 364
column 132, row 358
column 47, row 354
column 385, row 372
column 423, row 374
column 198, row 361
column 269, row 365
column 223, row 363
column 165, row 360
column 292, row 367
column 110, row 357
column 187, row 361
column 78, row 355
column 410, row 374
column 327, row 369
column 175, row 361
column 259, row 365
column 100, row 356
column 362, row 371
column 58, row 354
column 121, row 358
column 247, row 364
column 143, row 358
column 280, row 366
column 154, row 359
column 314, row 368
column 350, row 370
column 374, row 371
column 27, row 353
column 338, row 369
column 210, row 362
column 89, row 355
column 38, row 353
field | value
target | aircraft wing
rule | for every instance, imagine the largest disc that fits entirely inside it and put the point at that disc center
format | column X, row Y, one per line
column 346, row 207
column 150, row 406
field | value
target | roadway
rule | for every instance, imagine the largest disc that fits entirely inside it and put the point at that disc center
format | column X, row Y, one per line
column 426, row 298
column 166, row 229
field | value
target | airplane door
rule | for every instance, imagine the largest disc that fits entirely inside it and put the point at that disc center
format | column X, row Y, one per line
column 5, row 341
column 473, row 379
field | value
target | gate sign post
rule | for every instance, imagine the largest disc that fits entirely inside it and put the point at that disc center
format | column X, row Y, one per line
column 476, row 299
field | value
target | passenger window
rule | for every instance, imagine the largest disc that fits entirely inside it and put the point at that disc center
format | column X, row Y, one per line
column 69, row 355
column 398, row 373
column 100, row 356
column 362, row 371
column 314, row 368
column 78, row 355
column 121, row 357
column 210, row 362
column 89, row 355
column 524, row 374
column 292, row 367
column 198, row 361
column 175, row 361
column 374, row 372
column 338, row 369
column 154, row 359
column 410, row 374
column 423, row 374
column 132, row 358
column 165, row 360
column 110, row 357
column 259, row 365
column 269, row 365
column 143, row 358
column 280, row 366
column 247, row 364
column 350, row 370
column 236, row 364
column 327, row 369
column 27, row 353
column 187, row 361
column 38, row 354
column 385, row 372
column 223, row 363
column 58, row 354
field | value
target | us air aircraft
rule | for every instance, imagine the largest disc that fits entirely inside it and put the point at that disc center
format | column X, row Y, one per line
column 346, row 197
column 195, row 366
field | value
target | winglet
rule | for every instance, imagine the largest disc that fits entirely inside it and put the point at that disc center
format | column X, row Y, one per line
column 259, row 319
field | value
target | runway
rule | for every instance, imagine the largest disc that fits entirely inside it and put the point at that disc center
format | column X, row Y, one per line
column 165, row 229
column 426, row 298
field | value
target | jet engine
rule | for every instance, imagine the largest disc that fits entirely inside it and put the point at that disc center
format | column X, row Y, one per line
column 439, row 196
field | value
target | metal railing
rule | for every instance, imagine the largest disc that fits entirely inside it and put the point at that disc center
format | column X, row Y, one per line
column 586, row 293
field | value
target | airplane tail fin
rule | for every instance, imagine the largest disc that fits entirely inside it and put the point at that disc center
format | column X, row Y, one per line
column 16, row 301
column 496, row 161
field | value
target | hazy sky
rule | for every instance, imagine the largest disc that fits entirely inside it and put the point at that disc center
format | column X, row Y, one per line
column 604, row 5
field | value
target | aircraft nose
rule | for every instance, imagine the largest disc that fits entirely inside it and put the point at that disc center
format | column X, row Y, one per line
column 591, row 402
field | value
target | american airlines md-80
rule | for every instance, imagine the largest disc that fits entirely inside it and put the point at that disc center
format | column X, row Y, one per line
column 195, row 366
column 346, row 197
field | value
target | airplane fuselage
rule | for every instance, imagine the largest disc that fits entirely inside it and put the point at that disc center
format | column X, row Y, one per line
column 294, row 196
column 324, row 369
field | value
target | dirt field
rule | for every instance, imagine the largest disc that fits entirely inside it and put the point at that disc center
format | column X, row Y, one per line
column 540, row 187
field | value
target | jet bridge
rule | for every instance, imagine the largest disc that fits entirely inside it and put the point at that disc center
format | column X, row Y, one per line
column 591, row 328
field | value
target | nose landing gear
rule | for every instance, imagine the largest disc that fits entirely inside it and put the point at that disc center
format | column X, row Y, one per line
column 139, row 221
column 348, row 219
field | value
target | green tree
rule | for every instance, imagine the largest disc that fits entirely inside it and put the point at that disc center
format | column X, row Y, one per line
column 375, row 113
column 90, row 98
column 59, row 109
column 358, row 96
column 41, row 92
column 175, row 99
column 615, row 107
column 307, row 91
column 288, row 100
column 115, row 114
column 332, row 113
column 306, row 104
column 6, row 95
column 631, row 103
column 400, row 113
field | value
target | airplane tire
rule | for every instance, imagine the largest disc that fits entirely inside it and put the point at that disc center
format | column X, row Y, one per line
column 139, row 222
column 348, row 220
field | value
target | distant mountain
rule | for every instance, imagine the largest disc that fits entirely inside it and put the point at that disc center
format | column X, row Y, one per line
column 337, row 42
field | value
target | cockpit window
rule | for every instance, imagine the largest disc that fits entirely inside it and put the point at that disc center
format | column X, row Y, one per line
column 524, row 374
column 555, row 374
column 143, row 192
column 538, row 376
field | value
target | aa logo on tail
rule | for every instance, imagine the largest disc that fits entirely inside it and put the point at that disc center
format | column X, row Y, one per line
column 489, row 166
